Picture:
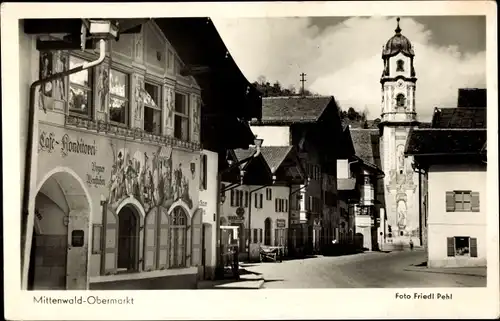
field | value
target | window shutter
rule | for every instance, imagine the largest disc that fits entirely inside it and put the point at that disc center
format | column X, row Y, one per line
column 109, row 257
column 276, row 205
column 205, row 174
column 260, row 233
column 256, row 201
column 241, row 198
column 196, row 226
column 149, row 262
column 450, row 241
column 261, row 200
column 450, row 201
column 473, row 247
column 276, row 237
column 162, row 248
column 255, row 238
column 286, row 205
column 270, row 194
column 246, row 199
column 232, row 197
column 475, row 201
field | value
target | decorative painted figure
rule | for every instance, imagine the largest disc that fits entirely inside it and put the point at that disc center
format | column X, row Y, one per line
column 138, row 96
column 60, row 82
column 103, row 87
column 401, row 214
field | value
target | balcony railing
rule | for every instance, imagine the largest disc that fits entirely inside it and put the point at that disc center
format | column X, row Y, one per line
column 129, row 133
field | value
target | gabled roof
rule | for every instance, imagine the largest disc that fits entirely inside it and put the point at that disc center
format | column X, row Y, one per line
column 436, row 141
column 274, row 155
column 463, row 117
column 293, row 110
column 365, row 143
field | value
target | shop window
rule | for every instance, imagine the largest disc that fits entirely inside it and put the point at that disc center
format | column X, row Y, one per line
column 152, row 109
column 178, row 237
column 181, row 118
column 80, row 89
column 462, row 201
column 119, row 102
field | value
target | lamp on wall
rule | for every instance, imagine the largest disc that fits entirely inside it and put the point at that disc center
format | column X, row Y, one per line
column 242, row 176
column 193, row 169
column 223, row 198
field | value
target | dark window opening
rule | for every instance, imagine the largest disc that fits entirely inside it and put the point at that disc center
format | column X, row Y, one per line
column 400, row 65
column 400, row 100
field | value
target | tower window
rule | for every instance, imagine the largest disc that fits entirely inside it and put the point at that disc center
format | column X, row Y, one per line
column 400, row 65
column 400, row 100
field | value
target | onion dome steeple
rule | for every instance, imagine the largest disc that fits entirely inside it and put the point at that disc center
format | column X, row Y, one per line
column 398, row 43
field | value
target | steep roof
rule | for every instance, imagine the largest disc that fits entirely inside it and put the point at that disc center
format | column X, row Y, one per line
column 463, row 117
column 445, row 141
column 366, row 144
column 291, row 110
column 274, row 155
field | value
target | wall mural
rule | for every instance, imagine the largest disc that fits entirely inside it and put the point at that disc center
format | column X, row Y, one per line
column 149, row 179
column 401, row 210
column 45, row 70
column 138, row 97
column 61, row 63
column 103, row 87
column 170, row 106
column 196, row 118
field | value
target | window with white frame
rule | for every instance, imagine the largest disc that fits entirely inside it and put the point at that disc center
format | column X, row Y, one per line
column 181, row 120
column 119, row 97
column 152, row 108
column 80, row 89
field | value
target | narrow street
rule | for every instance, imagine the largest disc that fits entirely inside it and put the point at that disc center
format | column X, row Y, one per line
column 365, row 270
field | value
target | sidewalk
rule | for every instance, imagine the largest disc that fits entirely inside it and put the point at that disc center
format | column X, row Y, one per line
column 248, row 280
column 470, row 271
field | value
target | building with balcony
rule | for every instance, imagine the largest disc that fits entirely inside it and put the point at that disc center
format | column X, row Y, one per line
column 359, row 178
column 304, row 122
column 451, row 162
column 115, row 163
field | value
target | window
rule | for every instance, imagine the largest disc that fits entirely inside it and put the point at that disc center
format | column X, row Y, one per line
column 255, row 240
column 118, row 103
column 232, row 198
column 462, row 246
column 181, row 120
column 97, row 238
column 462, row 201
column 258, row 200
column 203, row 172
column 80, row 89
column 400, row 65
column 152, row 109
column 178, row 236
column 240, row 198
column 400, row 100
column 269, row 194
column 246, row 199
column 260, row 233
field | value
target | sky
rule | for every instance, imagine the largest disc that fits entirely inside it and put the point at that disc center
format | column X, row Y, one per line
column 341, row 56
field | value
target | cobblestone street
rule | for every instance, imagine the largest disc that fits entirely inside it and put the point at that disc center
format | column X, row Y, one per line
column 365, row 270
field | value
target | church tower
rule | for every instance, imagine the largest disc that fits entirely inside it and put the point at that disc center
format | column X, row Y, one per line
column 398, row 116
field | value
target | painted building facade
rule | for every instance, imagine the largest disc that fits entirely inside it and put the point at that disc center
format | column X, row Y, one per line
column 117, row 168
column 398, row 116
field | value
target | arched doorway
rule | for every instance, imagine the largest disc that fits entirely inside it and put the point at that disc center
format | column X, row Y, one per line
column 128, row 239
column 59, row 247
column 267, row 231
column 178, row 237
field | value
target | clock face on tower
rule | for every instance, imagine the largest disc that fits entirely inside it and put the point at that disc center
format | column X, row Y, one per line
column 400, row 83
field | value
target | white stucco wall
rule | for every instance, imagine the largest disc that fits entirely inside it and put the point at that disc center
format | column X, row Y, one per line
column 442, row 224
column 273, row 135
column 208, row 202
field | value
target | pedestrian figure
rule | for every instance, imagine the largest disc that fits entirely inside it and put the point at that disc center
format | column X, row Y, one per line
column 411, row 244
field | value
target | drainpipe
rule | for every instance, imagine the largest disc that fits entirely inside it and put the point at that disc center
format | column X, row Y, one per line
column 29, row 146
